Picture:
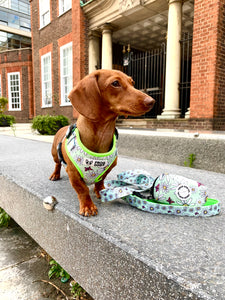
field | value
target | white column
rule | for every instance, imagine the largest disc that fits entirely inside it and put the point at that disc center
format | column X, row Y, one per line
column 93, row 51
column 107, row 47
column 173, row 57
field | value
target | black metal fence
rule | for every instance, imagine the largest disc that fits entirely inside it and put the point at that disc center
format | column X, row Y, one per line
column 185, row 75
column 148, row 71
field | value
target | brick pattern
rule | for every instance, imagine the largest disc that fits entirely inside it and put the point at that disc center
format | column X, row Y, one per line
column 178, row 124
column 208, row 54
column 19, row 61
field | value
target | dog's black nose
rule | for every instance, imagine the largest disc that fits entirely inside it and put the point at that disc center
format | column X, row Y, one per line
column 149, row 102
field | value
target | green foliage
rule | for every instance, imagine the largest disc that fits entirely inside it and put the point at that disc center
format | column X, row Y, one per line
column 49, row 124
column 57, row 271
column 191, row 159
column 3, row 102
column 4, row 218
column 76, row 289
column 6, row 120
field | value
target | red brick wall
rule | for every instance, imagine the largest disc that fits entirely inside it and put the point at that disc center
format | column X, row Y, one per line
column 43, row 39
column 219, row 104
column 80, row 44
column 71, row 26
column 208, row 56
column 19, row 61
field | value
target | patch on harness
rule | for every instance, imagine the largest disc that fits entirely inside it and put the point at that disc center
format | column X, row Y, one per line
column 95, row 163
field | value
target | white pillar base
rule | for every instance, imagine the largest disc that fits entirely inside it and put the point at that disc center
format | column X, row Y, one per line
column 170, row 114
column 187, row 114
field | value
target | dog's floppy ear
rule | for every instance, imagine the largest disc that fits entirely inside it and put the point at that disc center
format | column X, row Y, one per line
column 86, row 97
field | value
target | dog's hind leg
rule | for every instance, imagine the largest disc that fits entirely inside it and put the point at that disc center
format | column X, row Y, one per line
column 98, row 187
column 56, row 174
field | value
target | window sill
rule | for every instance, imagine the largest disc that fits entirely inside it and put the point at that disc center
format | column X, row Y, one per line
column 63, row 13
column 47, row 106
column 44, row 26
column 65, row 104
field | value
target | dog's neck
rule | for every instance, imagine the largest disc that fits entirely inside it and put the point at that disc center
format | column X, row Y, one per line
column 96, row 136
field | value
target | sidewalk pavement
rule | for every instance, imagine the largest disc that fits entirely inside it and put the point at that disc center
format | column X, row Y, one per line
column 24, row 130
column 164, row 146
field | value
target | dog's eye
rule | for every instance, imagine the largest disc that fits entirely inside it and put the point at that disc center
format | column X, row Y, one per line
column 116, row 83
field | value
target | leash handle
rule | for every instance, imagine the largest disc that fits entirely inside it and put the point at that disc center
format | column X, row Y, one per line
column 128, row 183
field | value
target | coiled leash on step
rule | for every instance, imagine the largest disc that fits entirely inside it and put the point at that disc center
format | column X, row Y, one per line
column 167, row 194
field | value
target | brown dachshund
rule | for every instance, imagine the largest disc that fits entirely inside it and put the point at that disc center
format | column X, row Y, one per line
column 99, row 98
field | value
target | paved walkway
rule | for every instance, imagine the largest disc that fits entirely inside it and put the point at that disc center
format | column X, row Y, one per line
column 24, row 130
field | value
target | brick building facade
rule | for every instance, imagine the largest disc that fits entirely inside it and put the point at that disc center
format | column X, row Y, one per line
column 68, row 38
column 63, row 29
column 16, row 75
column 208, row 65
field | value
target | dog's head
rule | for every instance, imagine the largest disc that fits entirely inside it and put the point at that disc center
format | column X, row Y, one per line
column 104, row 93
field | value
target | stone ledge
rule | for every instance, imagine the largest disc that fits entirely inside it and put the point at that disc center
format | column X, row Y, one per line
column 122, row 253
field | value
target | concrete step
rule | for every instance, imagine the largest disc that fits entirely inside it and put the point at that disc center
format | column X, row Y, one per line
column 122, row 253
column 169, row 146
column 175, row 147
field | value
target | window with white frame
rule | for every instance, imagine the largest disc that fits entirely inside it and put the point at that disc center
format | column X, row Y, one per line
column 64, row 5
column 14, row 91
column 66, row 72
column 44, row 11
column 46, row 77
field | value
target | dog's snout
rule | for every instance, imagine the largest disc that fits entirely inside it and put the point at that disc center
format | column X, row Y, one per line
column 149, row 102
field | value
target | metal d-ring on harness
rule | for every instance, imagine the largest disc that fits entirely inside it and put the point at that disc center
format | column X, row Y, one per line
column 68, row 134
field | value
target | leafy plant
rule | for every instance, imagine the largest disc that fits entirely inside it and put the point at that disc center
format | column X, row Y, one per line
column 76, row 289
column 3, row 102
column 6, row 120
column 191, row 159
column 4, row 218
column 49, row 124
column 57, row 271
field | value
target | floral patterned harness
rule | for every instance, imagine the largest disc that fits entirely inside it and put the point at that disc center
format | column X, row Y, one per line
column 91, row 165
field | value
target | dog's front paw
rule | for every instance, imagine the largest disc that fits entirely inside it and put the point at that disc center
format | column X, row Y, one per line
column 88, row 210
column 54, row 176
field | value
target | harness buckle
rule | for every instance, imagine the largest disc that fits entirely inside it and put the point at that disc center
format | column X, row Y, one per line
column 70, row 130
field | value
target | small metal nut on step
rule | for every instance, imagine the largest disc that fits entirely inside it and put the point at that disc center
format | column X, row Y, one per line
column 49, row 202
column 196, row 134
